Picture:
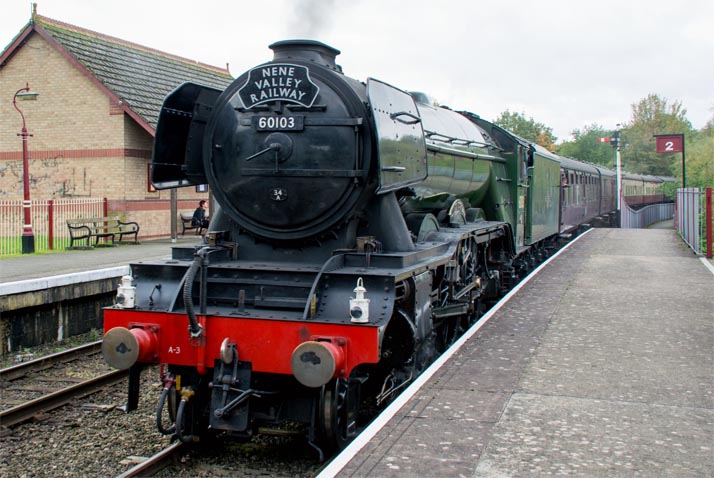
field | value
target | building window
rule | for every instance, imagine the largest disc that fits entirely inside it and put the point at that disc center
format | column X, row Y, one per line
column 202, row 188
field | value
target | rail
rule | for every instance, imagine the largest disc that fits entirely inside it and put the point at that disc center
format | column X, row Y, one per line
column 641, row 218
column 155, row 463
column 693, row 219
column 49, row 218
column 23, row 368
column 27, row 410
column 49, row 401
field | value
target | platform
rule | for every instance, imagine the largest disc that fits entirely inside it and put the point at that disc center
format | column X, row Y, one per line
column 602, row 365
column 58, row 295
column 80, row 261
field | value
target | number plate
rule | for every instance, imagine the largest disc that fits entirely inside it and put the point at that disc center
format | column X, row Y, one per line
column 278, row 123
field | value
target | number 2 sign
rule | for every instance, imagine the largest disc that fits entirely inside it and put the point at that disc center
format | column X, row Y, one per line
column 667, row 143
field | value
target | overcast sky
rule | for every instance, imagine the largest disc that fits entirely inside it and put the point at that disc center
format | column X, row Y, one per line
column 566, row 63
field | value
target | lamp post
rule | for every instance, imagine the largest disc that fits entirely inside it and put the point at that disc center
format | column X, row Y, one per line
column 614, row 141
column 28, row 237
column 618, row 171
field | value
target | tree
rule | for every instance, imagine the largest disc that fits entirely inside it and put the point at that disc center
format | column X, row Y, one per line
column 528, row 129
column 586, row 147
column 650, row 116
column 700, row 157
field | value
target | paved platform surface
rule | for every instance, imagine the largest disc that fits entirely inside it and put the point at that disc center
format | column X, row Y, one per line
column 33, row 266
column 601, row 366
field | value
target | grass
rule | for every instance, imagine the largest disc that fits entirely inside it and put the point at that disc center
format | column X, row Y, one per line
column 12, row 246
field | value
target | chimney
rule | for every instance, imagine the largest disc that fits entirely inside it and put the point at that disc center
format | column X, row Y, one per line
column 306, row 50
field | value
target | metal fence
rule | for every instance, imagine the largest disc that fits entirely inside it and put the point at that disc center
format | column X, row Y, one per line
column 631, row 219
column 49, row 224
column 693, row 219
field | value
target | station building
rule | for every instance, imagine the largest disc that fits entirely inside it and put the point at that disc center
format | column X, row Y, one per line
column 94, row 120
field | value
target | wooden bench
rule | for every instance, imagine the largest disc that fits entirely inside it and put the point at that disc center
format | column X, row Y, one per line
column 187, row 223
column 100, row 227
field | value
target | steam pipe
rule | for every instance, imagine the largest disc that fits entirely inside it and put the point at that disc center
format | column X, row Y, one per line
column 159, row 412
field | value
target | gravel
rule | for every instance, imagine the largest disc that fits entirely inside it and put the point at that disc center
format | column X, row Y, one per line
column 88, row 438
column 93, row 437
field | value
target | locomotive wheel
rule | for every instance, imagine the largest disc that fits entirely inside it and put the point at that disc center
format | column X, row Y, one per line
column 451, row 329
column 336, row 415
column 479, row 310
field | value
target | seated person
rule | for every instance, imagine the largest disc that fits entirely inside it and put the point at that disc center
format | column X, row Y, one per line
column 200, row 215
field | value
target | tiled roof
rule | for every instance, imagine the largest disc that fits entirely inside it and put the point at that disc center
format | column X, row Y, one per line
column 139, row 76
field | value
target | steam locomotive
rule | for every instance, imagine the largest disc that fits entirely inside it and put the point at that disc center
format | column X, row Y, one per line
column 359, row 230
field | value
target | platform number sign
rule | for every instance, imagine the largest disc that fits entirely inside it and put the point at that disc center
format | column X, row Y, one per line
column 669, row 143
column 672, row 143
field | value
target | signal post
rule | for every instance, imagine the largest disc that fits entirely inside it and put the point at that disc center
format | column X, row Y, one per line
column 614, row 141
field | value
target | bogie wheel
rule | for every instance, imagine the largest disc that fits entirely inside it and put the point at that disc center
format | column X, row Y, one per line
column 337, row 415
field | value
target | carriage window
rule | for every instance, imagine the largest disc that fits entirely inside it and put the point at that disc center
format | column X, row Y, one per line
column 578, row 181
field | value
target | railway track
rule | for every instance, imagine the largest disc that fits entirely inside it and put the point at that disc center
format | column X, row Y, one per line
column 222, row 458
column 155, row 463
column 47, row 361
column 32, row 388
column 70, row 439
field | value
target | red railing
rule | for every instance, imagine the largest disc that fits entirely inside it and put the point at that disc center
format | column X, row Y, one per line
column 710, row 222
column 48, row 222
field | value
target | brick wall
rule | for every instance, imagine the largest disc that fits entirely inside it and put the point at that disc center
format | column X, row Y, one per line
column 82, row 144
column 70, row 113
